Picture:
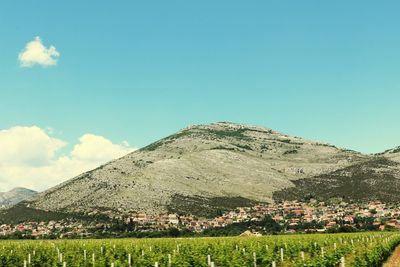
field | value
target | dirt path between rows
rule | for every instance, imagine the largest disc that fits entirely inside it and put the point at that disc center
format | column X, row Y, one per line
column 394, row 260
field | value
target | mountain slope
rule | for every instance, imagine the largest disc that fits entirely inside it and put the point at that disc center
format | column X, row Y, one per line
column 377, row 178
column 15, row 196
column 203, row 167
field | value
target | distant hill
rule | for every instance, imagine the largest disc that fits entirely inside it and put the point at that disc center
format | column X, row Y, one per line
column 204, row 169
column 14, row 196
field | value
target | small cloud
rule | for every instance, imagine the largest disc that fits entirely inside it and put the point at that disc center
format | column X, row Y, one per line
column 35, row 53
column 125, row 143
column 50, row 130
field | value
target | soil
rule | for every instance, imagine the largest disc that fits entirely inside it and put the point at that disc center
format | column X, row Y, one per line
column 394, row 260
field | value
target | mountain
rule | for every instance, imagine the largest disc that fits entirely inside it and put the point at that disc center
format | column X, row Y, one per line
column 200, row 170
column 15, row 196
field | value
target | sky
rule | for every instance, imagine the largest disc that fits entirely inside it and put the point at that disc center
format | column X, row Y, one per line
column 84, row 82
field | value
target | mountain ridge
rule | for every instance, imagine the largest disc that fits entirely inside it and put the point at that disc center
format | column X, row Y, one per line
column 207, row 165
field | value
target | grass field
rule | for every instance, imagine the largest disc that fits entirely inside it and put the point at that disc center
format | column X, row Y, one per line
column 355, row 249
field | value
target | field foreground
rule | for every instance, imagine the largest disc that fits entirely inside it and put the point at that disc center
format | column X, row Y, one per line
column 356, row 249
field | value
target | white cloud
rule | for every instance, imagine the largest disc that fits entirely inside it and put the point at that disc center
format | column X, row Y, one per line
column 36, row 53
column 97, row 148
column 28, row 157
column 27, row 146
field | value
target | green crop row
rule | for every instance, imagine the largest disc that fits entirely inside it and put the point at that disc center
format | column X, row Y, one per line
column 355, row 249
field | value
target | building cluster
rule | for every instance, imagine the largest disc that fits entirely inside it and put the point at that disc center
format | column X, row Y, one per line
column 292, row 216
column 289, row 214
column 60, row 229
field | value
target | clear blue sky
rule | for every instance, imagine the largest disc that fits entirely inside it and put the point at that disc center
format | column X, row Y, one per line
column 138, row 71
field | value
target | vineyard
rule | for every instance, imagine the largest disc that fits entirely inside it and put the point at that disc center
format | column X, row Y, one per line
column 359, row 249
